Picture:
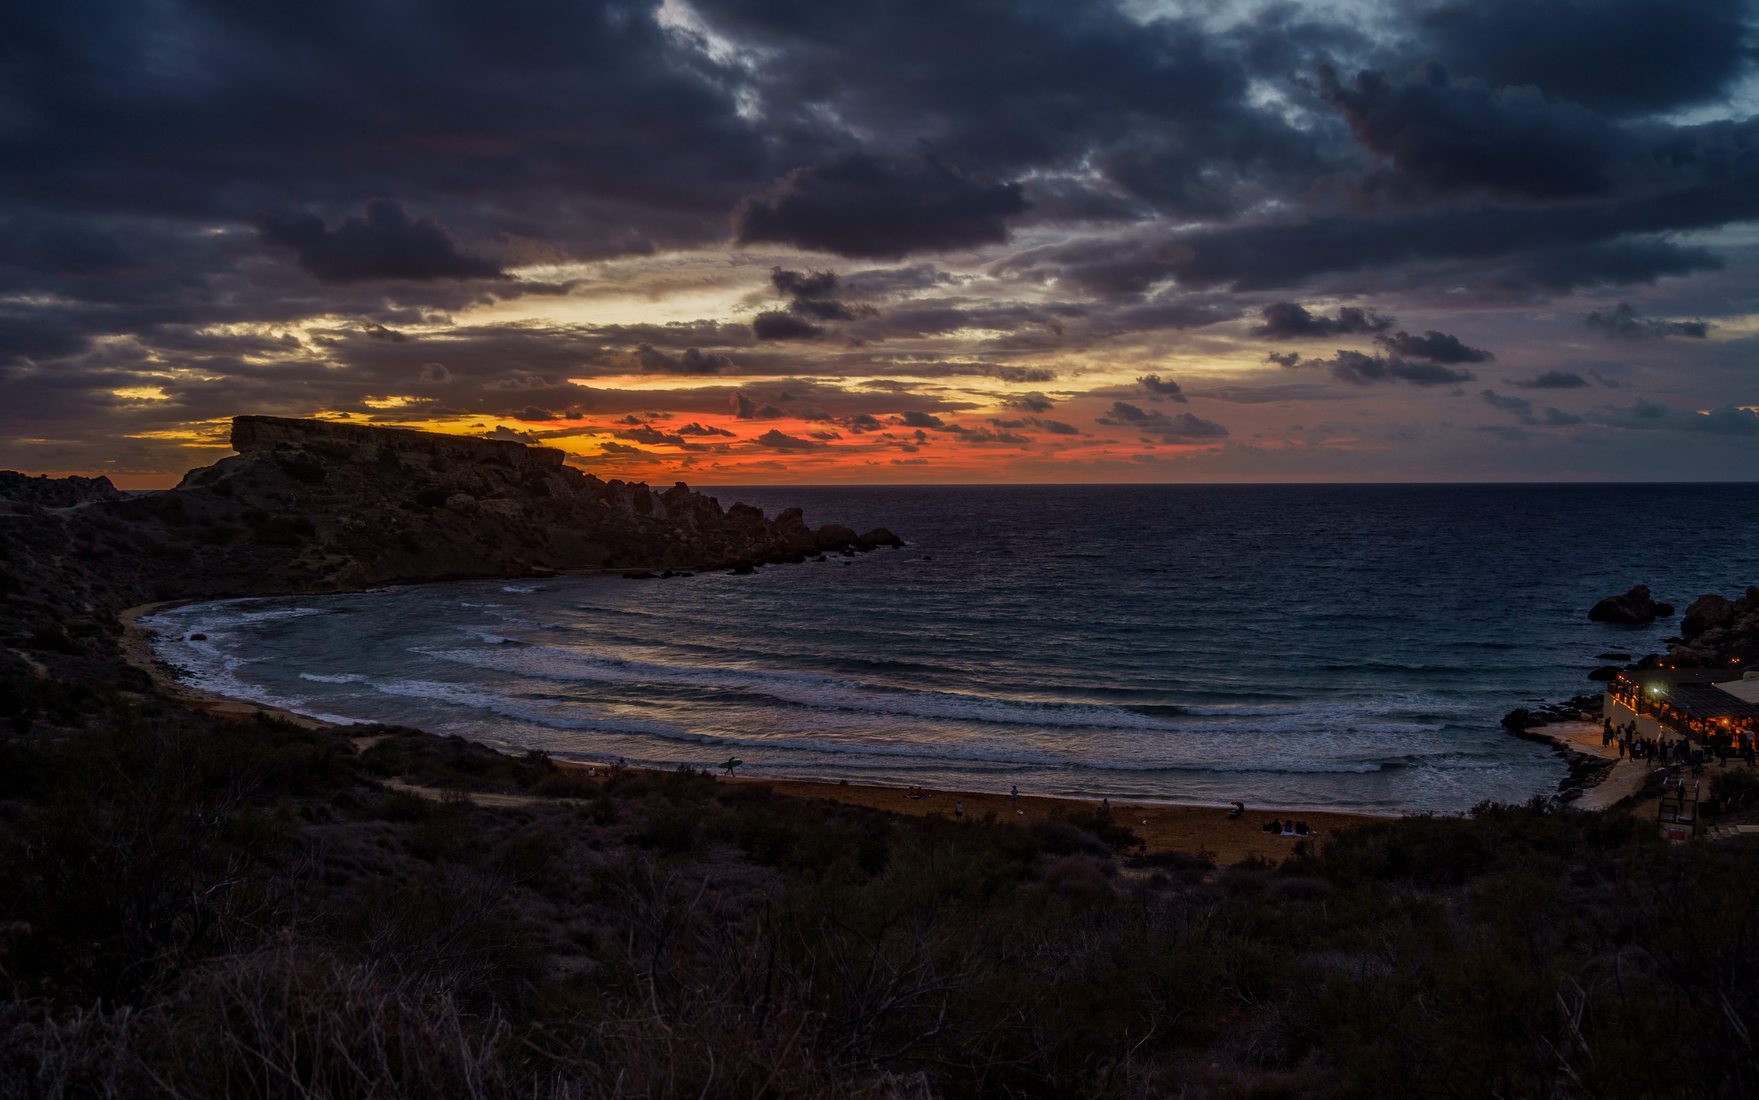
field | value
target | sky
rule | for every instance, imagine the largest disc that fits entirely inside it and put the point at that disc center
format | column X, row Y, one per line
column 790, row 241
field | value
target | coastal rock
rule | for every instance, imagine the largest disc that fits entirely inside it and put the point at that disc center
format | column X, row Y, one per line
column 1706, row 612
column 834, row 536
column 56, row 492
column 1634, row 608
column 879, row 536
column 1605, row 674
column 309, row 505
column 1521, row 720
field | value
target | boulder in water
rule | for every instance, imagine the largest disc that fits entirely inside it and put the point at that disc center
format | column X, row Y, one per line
column 1634, row 608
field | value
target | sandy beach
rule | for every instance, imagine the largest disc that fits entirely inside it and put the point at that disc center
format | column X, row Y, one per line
column 1166, row 828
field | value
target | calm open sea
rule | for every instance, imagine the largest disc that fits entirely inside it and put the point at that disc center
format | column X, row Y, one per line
column 1312, row 646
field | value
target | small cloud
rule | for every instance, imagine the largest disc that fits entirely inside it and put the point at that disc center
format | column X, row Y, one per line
column 1362, row 369
column 781, row 441
column 776, row 325
column 1183, row 426
column 1292, row 321
column 1623, row 323
column 1156, row 388
column 1506, row 404
column 1437, row 347
column 1552, row 380
column 693, row 428
column 1029, row 402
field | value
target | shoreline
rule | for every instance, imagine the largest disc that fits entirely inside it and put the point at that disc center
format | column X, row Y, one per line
column 1166, row 826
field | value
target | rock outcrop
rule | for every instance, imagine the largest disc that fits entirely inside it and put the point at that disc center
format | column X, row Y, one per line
column 1634, row 608
column 1718, row 631
column 309, row 505
column 55, row 492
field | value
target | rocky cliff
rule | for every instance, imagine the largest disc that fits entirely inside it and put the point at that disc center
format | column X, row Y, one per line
column 308, row 505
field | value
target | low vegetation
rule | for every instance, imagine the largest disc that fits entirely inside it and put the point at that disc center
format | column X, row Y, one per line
column 191, row 907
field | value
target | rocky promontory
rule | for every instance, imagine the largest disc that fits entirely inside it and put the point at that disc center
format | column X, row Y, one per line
column 310, row 505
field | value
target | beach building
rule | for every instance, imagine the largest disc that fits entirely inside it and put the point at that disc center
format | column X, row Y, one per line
column 1699, row 703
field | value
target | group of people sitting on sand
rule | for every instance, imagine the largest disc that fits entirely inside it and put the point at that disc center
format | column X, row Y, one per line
column 1287, row 828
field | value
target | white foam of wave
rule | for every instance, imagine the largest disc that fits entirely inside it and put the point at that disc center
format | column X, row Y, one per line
column 205, row 666
column 813, row 691
column 800, row 689
column 570, row 716
column 336, row 678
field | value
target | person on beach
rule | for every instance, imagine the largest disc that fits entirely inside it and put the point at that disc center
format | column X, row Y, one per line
column 958, row 809
column 1014, row 797
column 1273, row 826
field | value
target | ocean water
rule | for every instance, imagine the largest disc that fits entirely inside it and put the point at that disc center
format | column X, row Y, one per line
column 1291, row 646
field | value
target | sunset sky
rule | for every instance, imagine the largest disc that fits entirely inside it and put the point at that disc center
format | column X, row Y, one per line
column 922, row 240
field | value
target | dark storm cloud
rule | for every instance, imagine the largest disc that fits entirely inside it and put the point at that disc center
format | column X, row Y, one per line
column 1623, row 322
column 1363, row 369
column 1552, row 380
column 1437, row 347
column 1160, row 107
column 1616, row 55
column 1450, row 137
column 386, row 243
column 1293, row 321
column 859, row 205
column 258, row 101
column 1556, row 247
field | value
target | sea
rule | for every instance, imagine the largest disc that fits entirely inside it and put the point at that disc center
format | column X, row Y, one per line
column 1311, row 647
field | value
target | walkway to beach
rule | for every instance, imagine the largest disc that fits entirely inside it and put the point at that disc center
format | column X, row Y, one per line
column 1625, row 778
